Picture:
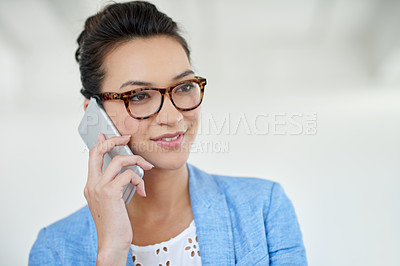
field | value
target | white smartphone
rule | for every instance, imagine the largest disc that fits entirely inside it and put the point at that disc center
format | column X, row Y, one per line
column 96, row 120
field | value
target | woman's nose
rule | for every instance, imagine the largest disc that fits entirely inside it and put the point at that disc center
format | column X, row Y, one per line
column 168, row 114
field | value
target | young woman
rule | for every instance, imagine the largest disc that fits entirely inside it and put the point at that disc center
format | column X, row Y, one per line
column 133, row 59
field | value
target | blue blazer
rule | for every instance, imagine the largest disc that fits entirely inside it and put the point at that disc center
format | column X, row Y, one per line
column 239, row 221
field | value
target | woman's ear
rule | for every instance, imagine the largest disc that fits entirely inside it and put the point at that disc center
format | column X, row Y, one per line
column 85, row 104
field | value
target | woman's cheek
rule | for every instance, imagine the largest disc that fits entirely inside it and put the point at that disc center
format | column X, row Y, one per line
column 130, row 125
column 193, row 120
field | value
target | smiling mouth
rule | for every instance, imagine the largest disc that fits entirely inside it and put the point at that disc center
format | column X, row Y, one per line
column 170, row 143
column 169, row 136
column 170, row 139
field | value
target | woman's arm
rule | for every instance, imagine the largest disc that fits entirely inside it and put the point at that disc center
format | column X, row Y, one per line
column 284, row 237
column 103, row 192
column 58, row 244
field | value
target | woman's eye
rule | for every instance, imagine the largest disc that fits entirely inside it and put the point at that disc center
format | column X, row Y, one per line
column 185, row 88
column 139, row 97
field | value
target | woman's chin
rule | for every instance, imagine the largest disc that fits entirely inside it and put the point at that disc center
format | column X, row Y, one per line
column 170, row 161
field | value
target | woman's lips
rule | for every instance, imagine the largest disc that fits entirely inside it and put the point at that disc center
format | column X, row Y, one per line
column 170, row 135
column 172, row 143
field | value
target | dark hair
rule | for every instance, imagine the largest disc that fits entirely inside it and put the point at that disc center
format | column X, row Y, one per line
column 113, row 25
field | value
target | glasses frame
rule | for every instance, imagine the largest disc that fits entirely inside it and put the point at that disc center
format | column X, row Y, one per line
column 124, row 96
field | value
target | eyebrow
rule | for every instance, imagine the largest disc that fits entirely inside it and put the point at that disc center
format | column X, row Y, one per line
column 144, row 83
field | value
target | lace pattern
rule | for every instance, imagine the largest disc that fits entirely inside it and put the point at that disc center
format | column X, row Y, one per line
column 182, row 249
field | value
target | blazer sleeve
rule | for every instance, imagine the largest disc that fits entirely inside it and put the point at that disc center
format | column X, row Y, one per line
column 284, row 237
column 41, row 253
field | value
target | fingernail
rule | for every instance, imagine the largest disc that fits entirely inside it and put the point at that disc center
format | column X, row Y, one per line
column 126, row 136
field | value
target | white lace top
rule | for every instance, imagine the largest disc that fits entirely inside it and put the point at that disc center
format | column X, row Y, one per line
column 182, row 249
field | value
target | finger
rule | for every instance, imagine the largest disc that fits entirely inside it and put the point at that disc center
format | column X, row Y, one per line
column 120, row 161
column 96, row 154
column 126, row 177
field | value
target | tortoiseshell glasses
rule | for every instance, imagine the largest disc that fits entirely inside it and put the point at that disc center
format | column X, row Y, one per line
column 143, row 103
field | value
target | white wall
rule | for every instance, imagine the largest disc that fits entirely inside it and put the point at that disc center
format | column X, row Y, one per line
column 338, row 60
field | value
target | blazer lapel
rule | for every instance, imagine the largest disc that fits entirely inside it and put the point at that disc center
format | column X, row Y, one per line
column 212, row 219
column 129, row 262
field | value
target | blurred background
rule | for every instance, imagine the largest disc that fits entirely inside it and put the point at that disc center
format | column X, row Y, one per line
column 305, row 93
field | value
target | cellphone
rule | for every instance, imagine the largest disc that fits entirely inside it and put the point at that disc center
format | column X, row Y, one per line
column 95, row 121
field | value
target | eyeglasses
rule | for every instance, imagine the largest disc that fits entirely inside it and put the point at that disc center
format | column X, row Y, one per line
column 143, row 103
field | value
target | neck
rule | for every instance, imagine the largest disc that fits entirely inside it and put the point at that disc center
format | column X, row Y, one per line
column 167, row 193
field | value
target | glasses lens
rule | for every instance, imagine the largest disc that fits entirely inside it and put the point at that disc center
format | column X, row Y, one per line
column 187, row 95
column 144, row 103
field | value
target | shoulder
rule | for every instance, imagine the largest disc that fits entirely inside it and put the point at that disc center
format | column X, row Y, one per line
column 239, row 190
column 249, row 190
column 248, row 185
column 255, row 194
column 72, row 226
column 69, row 235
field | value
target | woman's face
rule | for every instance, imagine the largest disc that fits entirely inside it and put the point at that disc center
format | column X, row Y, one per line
column 156, row 60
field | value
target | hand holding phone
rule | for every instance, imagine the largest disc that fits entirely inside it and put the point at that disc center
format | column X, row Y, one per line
column 103, row 192
column 114, row 173
column 95, row 121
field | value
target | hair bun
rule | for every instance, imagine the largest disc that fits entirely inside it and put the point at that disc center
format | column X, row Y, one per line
column 115, row 23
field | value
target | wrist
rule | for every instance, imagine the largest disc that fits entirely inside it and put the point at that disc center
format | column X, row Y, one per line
column 111, row 256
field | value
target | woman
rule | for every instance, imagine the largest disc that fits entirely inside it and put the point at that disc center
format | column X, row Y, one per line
column 183, row 215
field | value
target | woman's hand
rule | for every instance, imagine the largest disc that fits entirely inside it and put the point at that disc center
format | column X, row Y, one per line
column 103, row 193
